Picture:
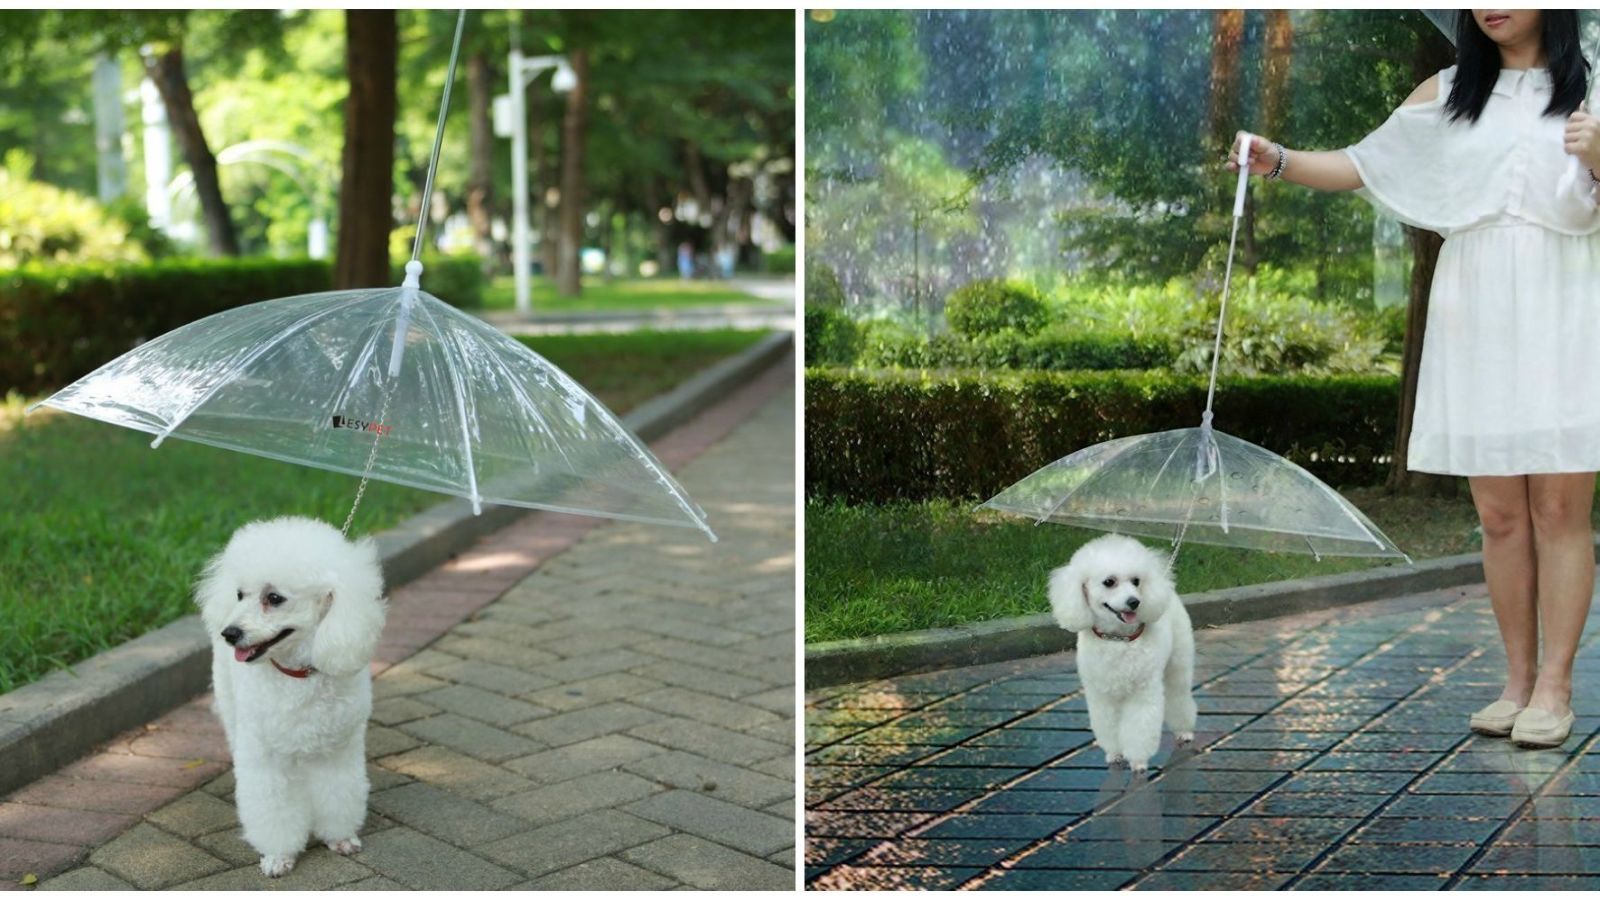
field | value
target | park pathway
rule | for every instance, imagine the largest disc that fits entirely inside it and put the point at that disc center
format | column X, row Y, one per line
column 773, row 310
column 1333, row 753
column 572, row 703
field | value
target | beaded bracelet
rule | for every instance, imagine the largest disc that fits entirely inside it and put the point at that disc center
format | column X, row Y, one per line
column 1277, row 170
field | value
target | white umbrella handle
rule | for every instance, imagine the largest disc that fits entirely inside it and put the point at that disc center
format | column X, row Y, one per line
column 1244, row 175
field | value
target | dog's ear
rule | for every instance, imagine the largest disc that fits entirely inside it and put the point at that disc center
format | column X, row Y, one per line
column 214, row 593
column 1069, row 598
column 347, row 637
column 1159, row 592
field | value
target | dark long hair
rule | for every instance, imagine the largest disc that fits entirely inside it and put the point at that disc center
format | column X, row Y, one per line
column 1478, row 65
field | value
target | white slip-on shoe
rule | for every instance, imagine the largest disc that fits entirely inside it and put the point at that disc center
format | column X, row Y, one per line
column 1496, row 719
column 1541, row 728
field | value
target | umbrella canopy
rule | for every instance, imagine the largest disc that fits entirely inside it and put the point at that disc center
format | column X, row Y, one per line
column 1200, row 485
column 396, row 380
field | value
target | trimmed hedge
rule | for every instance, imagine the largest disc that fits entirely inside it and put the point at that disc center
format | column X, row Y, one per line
column 58, row 323
column 779, row 261
column 1054, row 349
column 832, row 337
column 884, row 436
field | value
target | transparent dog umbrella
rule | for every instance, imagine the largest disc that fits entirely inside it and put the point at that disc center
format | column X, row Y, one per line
column 1198, row 483
column 393, row 384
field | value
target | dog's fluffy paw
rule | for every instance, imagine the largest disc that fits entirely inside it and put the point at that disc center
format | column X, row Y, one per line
column 1139, row 768
column 1186, row 738
column 345, row 846
column 276, row 866
column 1117, row 762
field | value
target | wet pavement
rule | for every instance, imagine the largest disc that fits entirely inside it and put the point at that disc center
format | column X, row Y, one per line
column 1332, row 753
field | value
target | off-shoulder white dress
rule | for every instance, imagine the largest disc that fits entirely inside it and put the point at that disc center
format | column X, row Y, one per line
column 1509, row 382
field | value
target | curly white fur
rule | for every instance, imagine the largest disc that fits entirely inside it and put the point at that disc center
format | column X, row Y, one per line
column 1116, row 585
column 299, row 744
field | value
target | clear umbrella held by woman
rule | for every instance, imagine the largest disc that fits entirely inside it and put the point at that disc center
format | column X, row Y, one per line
column 1508, row 390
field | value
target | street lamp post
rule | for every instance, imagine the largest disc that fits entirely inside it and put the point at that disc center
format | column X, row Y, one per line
column 522, row 71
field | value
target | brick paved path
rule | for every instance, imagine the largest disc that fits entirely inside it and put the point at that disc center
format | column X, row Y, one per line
column 1333, row 753
column 615, row 711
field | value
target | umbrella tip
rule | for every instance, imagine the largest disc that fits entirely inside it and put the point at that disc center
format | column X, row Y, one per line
column 413, row 274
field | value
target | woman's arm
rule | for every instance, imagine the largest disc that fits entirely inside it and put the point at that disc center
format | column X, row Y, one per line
column 1321, row 170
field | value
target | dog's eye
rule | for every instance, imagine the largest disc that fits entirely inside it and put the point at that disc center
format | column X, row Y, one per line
column 241, row 595
column 275, row 599
column 1111, row 581
column 1136, row 581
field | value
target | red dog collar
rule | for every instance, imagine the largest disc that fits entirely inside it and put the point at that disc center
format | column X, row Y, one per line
column 1129, row 638
column 302, row 673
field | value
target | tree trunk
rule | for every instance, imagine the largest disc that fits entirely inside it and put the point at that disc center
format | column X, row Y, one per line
column 1227, row 38
column 573, row 126
column 367, row 186
column 1433, row 54
column 166, row 72
column 480, row 183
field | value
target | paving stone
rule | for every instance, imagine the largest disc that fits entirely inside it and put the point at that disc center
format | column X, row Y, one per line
column 592, row 691
column 576, row 796
column 444, row 815
column 196, row 814
column 383, row 741
column 424, row 863
column 486, row 706
column 500, row 679
column 709, row 681
column 100, row 796
column 565, row 844
column 315, row 870
column 717, row 820
column 707, row 740
column 19, row 858
column 702, row 864
column 147, row 858
column 606, row 874
column 577, row 725
column 734, row 715
column 60, row 826
column 374, row 883
column 497, row 652
column 87, row 878
column 726, row 782
column 229, row 845
column 456, row 772
column 397, row 710
column 599, row 754
column 471, row 737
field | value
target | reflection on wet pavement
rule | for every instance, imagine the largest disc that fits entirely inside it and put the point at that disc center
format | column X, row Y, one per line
column 1332, row 753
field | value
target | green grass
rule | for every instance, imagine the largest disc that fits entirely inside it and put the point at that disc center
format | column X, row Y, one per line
column 874, row 570
column 101, row 537
column 616, row 295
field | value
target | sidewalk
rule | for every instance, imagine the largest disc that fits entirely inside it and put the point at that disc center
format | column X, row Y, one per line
column 1333, row 754
column 573, row 703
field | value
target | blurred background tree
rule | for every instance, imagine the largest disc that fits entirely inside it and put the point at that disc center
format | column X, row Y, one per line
column 682, row 130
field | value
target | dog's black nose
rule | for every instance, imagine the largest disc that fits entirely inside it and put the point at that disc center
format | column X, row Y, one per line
column 1133, row 602
column 232, row 633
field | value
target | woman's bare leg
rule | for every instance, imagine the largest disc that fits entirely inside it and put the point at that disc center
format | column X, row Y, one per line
column 1509, row 568
column 1563, row 538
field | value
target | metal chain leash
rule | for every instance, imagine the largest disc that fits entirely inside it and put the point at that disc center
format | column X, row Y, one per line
column 372, row 456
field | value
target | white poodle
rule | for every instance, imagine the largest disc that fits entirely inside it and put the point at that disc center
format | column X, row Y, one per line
column 1135, row 645
column 294, row 612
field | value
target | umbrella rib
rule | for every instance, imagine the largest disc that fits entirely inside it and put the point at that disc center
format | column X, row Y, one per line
column 454, row 373
column 249, row 358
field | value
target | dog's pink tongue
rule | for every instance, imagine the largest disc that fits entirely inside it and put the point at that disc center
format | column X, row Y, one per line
column 1127, row 616
column 242, row 653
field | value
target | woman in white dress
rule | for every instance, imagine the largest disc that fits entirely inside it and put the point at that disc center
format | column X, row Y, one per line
column 1498, row 154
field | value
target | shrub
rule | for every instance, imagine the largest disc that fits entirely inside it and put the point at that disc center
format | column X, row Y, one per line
column 1053, row 349
column 991, row 306
column 457, row 280
column 877, row 437
column 61, row 322
column 779, row 261
column 832, row 338
column 822, row 286
column 45, row 224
